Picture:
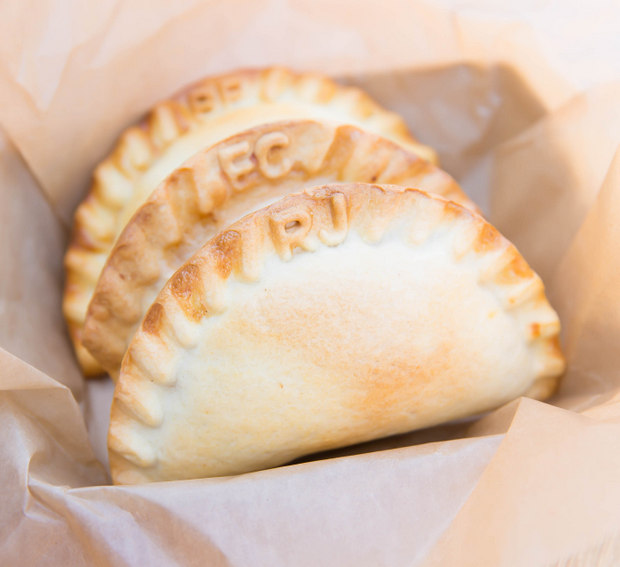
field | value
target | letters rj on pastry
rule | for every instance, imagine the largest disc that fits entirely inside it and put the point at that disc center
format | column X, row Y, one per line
column 295, row 226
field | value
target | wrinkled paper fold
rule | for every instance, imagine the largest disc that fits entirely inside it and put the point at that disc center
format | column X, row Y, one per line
column 528, row 133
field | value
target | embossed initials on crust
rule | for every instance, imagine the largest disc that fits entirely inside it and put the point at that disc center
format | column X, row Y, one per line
column 292, row 227
column 338, row 208
column 237, row 163
column 264, row 145
column 231, row 89
column 236, row 169
column 206, row 97
column 289, row 229
column 203, row 98
column 189, row 111
column 294, row 221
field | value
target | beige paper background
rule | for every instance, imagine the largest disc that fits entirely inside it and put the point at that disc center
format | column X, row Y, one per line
column 522, row 106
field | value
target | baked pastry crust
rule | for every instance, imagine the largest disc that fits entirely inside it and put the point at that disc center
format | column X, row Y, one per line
column 203, row 114
column 219, row 185
column 334, row 316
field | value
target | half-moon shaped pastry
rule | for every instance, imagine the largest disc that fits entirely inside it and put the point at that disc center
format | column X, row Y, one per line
column 218, row 186
column 334, row 316
column 202, row 115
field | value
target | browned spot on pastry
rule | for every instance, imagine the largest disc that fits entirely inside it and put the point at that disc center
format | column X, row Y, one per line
column 82, row 239
column 409, row 375
column 515, row 271
column 183, row 281
column 147, row 213
column 452, row 210
column 488, row 239
column 554, row 347
column 535, row 330
column 187, row 286
column 152, row 321
column 225, row 250
column 519, row 267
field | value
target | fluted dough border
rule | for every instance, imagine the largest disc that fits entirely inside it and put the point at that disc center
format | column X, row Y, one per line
column 93, row 234
column 303, row 223
column 188, row 205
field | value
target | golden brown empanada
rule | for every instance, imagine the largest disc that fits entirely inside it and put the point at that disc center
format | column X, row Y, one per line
column 221, row 184
column 334, row 316
column 207, row 112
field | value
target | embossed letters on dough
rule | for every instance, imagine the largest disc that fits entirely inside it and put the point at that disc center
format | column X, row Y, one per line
column 237, row 160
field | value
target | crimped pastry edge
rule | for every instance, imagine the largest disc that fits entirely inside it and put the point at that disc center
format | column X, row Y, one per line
column 93, row 232
column 240, row 250
column 204, row 184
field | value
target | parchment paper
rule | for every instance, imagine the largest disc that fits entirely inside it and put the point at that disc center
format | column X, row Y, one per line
column 521, row 104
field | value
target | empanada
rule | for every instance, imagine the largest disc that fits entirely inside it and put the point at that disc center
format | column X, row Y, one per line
column 221, row 184
column 334, row 316
column 207, row 112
